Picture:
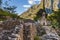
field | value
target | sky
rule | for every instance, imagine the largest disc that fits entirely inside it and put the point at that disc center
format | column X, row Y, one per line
column 22, row 5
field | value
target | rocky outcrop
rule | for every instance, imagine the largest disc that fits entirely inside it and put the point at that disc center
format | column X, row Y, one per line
column 26, row 30
column 49, row 6
column 51, row 34
column 17, row 30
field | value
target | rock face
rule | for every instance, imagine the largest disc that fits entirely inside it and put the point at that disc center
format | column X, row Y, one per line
column 51, row 34
column 43, row 20
column 52, row 4
column 29, row 32
column 26, row 30
column 12, row 31
column 49, row 6
column 56, row 5
column 50, row 37
column 31, row 12
column 17, row 30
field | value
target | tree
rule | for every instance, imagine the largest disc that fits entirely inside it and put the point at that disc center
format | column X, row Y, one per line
column 11, row 9
column 55, row 18
column 0, row 3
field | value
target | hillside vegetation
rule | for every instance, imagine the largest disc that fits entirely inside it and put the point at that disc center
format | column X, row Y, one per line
column 5, row 14
column 32, row 11
column 7, row 11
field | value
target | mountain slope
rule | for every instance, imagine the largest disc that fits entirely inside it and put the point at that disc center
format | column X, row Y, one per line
column 31, row 12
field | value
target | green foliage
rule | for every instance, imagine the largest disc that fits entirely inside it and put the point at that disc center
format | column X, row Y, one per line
column 39, row 14
column 7, row 10
column 36, row 18
column 0, row 3
column 55, row 24
column 11, row 9
column 13, row 15
column 55, row 18
column 5, row 13
column 36, row 38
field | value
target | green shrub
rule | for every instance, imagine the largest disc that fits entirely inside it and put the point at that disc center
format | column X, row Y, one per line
column 37, row 38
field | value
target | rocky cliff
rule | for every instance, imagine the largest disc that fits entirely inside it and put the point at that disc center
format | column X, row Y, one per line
column 31, row 12
column 49, row 6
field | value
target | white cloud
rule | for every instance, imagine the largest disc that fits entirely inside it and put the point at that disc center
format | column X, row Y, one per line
column 37, row 0
column 31, row 2
column 26, row 6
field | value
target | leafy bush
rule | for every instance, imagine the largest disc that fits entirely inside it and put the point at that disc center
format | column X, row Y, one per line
column 3, row 14
column 55, row 18
column 36, row 38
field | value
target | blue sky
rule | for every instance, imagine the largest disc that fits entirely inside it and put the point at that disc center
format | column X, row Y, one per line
column 22, row 5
